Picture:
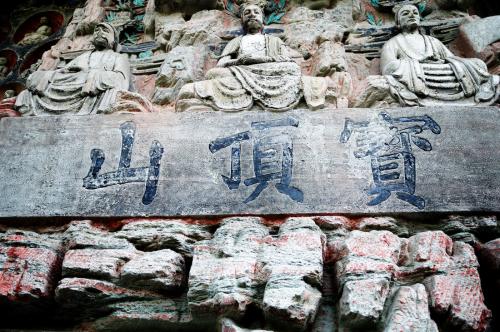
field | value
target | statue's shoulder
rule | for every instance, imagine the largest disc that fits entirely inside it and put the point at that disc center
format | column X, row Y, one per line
column 394, row 39
column 235, row 42
column 395, row 42
column 273, row 38
column 232, row 46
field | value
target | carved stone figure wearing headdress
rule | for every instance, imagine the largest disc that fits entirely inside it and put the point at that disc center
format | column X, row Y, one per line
column 86, row 85
column 255, row 69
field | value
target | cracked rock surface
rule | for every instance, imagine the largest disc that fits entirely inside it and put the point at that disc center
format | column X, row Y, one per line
column 251, row 274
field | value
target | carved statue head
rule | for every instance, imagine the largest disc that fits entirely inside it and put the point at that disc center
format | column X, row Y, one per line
column 408, row 17
column 44, row 20
column 105, row 37
column 252, row 17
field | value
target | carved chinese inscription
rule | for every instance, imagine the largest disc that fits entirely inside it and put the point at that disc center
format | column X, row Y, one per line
column 388, row 144
column 272, row 158
column 124, row 174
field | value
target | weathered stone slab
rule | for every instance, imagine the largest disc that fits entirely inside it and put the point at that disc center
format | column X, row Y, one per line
column 482, row 32
column 211, row 163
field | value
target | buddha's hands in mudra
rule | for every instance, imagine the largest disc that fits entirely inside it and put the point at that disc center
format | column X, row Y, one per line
column 247, row 59
column 251, row 59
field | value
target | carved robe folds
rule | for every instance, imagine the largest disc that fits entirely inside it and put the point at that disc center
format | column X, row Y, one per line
column 434, row 75
column 86, row 85
column 273, row 85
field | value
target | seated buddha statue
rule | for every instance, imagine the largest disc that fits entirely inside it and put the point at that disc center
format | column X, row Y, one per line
column 88, row 84
column 254, row 69
column 41, row 33
column 420, row 70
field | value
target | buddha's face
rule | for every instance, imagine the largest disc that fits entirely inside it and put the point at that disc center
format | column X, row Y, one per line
column 252, row 18
column 104, row 36
column 44, row 20
column 408, row 17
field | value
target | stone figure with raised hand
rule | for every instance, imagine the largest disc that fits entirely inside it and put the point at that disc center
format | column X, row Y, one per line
column 86, row 85
column 254, row 69
column 421, row 71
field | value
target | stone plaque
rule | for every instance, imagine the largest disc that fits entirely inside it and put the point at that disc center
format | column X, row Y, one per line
column 213, row 163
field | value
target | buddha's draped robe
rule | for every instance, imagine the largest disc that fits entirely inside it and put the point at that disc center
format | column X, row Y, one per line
column 274, row 85
column 434, row 72
column 107, row 71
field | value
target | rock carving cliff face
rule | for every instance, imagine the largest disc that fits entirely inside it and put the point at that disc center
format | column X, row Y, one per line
column 426, row 270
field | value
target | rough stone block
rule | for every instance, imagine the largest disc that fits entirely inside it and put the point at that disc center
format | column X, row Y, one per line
column 164, row 315
column 242, row 266
column 382, row 223
column 103, row 264
column 85, row 293
column 224, row 274
column 429, row 252
column 372, row 254
column 162, row 270
column 294, row 263
column 149, row 235
column 330, row 170
column 290, row 303
column 457, row 296
column 379, row 245
column 29, row 266
column 83, row 234
column 409, row 311
column 470, row 227
column 362, row 302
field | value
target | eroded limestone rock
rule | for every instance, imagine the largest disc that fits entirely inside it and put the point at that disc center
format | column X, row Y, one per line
column 456, row 294
column 409, row 311
column 149, row 235
column 230, row 271
column 164, row 315
column 83, row 234
column 102, row 264
column 371, row 262
column 161, row 270
column 469, row 229
column 225, row 273
column 29, row 267
column 364, row 271
column 293, row 264
column 93, row 295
